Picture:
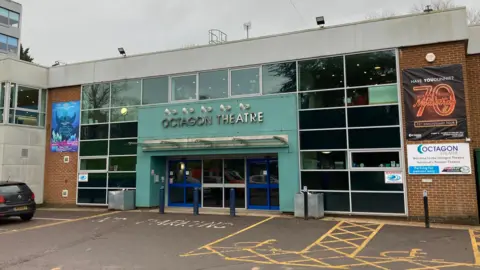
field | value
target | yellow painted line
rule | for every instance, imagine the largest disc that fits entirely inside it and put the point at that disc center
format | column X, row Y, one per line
column 476, row 253
column 369, row 238
column 322, row 237
column 57, row 223
column 228, row 236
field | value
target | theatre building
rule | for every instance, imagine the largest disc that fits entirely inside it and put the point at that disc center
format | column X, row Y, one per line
column 370, row 114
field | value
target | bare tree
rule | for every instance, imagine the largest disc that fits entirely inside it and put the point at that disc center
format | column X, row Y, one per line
column 472, row 18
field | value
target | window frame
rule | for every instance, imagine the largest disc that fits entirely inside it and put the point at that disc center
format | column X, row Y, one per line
column 15, row 109
column 79, row 168
column 380, row 150
column 8, row 18
column 171, row 96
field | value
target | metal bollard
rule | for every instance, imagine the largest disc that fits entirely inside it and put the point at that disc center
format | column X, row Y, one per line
column 161, row 203
column 425, row 206
column 232, row 202
column 305, row 202
column 195, row 201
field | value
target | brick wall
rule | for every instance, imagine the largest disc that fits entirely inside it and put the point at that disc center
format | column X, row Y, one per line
column 60, row 175
column 450, row 197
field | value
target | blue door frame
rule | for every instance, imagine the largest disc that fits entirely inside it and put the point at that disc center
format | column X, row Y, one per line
column 268, row 185
column 185, row 184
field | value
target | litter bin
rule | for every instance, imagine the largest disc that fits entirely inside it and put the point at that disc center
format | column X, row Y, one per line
column 315, row 205
column 121, row 200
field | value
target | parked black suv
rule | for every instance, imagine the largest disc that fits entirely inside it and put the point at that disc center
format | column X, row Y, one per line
column 16, row 200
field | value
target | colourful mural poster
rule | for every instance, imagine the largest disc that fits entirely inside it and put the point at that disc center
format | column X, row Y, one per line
column 65, row 126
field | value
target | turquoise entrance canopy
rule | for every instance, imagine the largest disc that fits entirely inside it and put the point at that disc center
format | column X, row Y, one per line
column 208, row 143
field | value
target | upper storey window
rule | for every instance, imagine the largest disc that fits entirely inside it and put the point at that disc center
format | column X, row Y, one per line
column 9, row 17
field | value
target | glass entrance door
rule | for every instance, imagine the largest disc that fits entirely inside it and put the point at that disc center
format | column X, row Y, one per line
column 183, row 177
column 262, row 175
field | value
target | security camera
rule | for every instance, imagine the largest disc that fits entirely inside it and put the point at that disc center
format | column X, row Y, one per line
column 320, row 21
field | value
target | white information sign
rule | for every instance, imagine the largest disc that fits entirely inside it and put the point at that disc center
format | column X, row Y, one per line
column 448, row 158
column 83, row 177
column 393, row 178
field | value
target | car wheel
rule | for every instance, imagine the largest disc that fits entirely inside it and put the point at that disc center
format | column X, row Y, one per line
column 26, row 217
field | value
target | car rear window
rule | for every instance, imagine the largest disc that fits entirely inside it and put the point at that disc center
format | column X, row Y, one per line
column 14, row 188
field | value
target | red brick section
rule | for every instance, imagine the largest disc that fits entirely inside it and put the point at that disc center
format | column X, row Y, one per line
column 452, row 198
column 60, row 175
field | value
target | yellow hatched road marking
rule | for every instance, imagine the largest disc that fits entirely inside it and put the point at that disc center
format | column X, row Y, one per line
column 473, row 238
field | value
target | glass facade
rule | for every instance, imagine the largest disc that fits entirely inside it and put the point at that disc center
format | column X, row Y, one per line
column 108, row 131
column 349, row 127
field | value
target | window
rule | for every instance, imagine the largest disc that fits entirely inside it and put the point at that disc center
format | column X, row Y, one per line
column 374, row 138
column 378, row 202
column 245, row 81
column 234, row 171
column 122, row 180
column 94, row 148
column 184, row 88
column 371, row 68
column 155, row 90
column 92, row 196
column 95, row 180
column 25, row 105
column 95, row 96
column 372, row 181
column 95, row 116
column 94, row 132
column 213, row 84
column 279, row 78
column 374, row 95
column 122, row 164
column 124, row 114
column 99, row 164
column 322, row 99
column 375, row 159
column 322, row 73
column 336, row 201
column 325, row 180
column 126, row 93
column 3, row 42
column 12, row 44
column 9, row 17
column 2, row 100
column 124, row 130
column 373, row 116
column 123, row 147
column 213, row 171
column 323, row 139
column 319, row 119
column 324, row 160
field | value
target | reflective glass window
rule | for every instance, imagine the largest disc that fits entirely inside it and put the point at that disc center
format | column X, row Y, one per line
column 326, row 180
column 374, row 95
column 124, row 114
column 323, row 139
column 12, row 44
column 26, row 118
column 122, row 164
column 372, row 181
column 95, row 180
column 93, row 164
column 239, row 197
column 213, row 84
column 92, row 196
column 123, row 147
column 122, row 180
column 14, row 18
column 245, row 81
column 28, row 98
column 126, row 93
column 378, row 202
column 374, row 138
column 371, row 68
column 4, row 16
column 3, row 41
column 95, row 116
column 184, row 88
column 324, row 160
column 336, row 201
column 375, row 159
column 95, row 96
column 279, row 78
column 234, row 171
column 212, row 197
column 93, row 148
column 124, row 130
column 318, row 119
column 322, row 99
column 373, row 116
column 155, row 90
column 43, row 101
column 212, row 171
column 322, row 73
column 94, row 132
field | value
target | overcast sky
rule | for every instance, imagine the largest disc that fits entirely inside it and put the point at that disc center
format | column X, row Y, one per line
column 73, row 30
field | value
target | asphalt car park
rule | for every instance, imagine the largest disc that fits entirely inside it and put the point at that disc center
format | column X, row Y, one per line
column 144, row 240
